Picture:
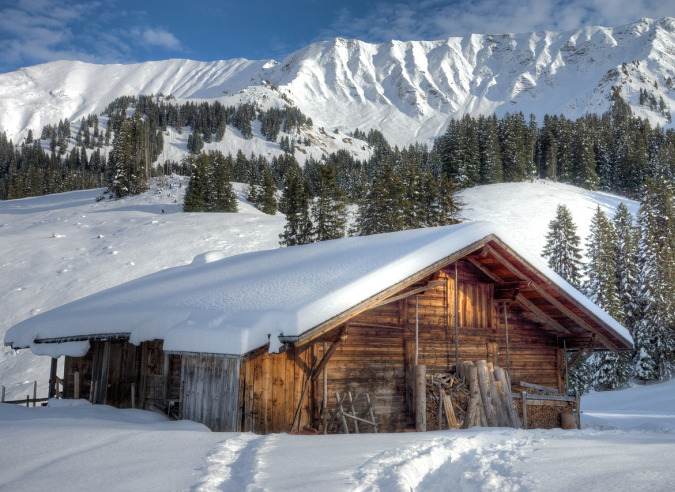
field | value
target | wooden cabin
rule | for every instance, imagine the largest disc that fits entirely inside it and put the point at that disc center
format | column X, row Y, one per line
column 476, row 297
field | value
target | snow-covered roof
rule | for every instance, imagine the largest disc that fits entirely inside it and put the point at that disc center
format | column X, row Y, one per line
column 236, row 304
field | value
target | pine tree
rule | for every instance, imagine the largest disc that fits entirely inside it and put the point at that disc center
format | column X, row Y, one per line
column 562, row 247
column 382, row 208
column 196, row 194
column 329, row 211
column 297, row 197
column 254, row 192
column 610, row 370
column 626, row 264
column 223, row 197
column 267, row 201
column 653, row 329
column 129, row 159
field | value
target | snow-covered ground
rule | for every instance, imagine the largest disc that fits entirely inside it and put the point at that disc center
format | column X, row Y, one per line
column 87, row 447
column 58, row 248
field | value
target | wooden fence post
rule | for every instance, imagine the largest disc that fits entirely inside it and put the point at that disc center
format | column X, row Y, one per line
column 421, row 398
column 34, row 393
column 3, row 394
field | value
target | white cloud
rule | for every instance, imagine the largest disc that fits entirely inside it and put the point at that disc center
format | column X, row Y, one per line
column 37, row 31
column 161, row 38
column 437, row 19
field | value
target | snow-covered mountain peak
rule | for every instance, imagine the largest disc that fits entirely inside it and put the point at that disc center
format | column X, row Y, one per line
column 407, row 89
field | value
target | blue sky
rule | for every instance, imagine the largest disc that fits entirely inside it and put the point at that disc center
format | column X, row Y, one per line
column 122, row 31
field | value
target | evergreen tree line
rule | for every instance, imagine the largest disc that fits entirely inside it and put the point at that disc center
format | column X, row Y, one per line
column 613, row 152
column 208, row 121
column 630, row 273
column 29, row 170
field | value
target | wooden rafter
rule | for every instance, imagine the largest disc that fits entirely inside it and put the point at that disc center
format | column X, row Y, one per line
column 541, row 315
column 558, row 305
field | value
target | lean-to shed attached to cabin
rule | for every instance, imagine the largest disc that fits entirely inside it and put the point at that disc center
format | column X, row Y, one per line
column 248, row 342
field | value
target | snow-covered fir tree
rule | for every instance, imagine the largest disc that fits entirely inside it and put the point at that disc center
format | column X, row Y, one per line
column 562, row 247
column 129, row 159
column 609, row 370
column 297, row 199
column 267, row 201
column 382, row 208
column 329, row 211
column 654, row 329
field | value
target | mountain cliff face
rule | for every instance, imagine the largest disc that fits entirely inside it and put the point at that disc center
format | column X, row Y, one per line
column 408, row 90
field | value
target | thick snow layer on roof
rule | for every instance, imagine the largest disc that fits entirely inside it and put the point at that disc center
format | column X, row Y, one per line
column 233, row 305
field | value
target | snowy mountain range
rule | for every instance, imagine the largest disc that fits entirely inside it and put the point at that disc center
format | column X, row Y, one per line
column 407, row 90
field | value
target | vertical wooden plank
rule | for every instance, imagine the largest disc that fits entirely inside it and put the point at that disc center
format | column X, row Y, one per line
column 297, row 378
column 420, row 398
column 278, row 394
column 410, row 382
column 52, row 377
column 266, row 394
column 561, row 373
column 143, row 386
column 105, row 364
column 289, row 389
column 241, row 398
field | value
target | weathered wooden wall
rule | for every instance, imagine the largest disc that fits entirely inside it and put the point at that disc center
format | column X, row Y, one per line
column 210, row 392
column 378, row 355
column 111, row 367
column 271, row 386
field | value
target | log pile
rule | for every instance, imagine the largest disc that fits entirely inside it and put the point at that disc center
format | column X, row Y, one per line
column 478, row 394
column 543, row 416
column 447, row 399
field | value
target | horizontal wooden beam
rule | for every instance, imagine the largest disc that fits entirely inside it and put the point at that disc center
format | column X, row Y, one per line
column 431, row 285
column 558, row 305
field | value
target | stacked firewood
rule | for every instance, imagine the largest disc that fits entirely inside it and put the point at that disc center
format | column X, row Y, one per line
column 447, row 399
column 478, row 394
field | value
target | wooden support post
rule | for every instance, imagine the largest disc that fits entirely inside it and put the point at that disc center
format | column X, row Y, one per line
column 325, row 394
column 417, row 330
column 133, row 395
column 523, row 395
column 52, row 378
column 410, row 382
column 456, row 316
column 578, row 402
column 27, row 401
column 3, row 395
column 92, row 397
column 421, row 398
column 34, row 393
column 76, row 384
column 508, row 353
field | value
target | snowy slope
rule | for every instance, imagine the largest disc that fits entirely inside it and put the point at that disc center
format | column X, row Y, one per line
column 138, row 450
column 51, row 252
column 408, row 90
